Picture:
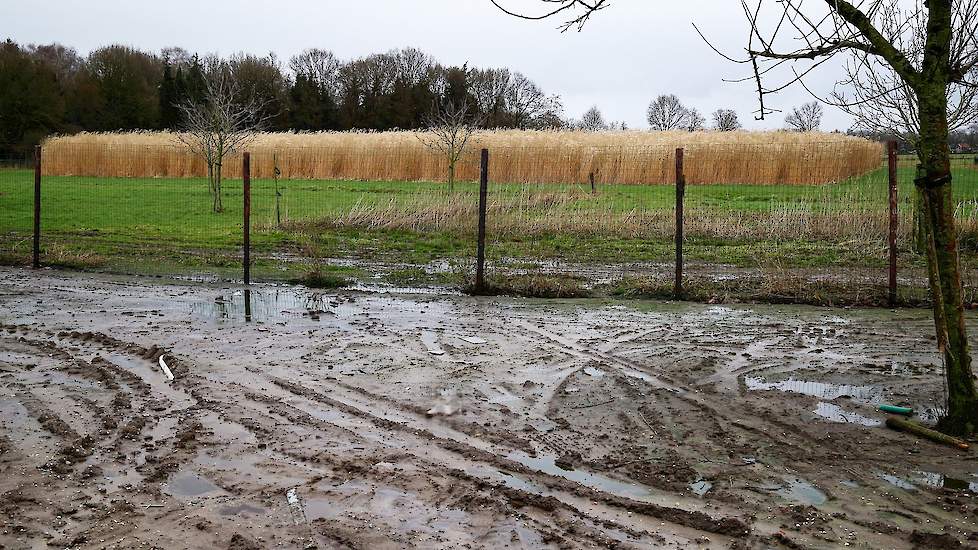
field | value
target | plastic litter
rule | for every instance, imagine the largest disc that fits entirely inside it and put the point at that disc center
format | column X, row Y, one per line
column 905, row 411
column 166, row 369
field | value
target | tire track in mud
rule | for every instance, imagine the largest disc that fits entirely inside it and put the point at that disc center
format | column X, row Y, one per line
column 542, row 512
column 161, row 471
column 112, row 366
column 633, row 370
column 479, row 459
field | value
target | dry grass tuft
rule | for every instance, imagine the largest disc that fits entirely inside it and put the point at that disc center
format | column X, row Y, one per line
column 628, row 157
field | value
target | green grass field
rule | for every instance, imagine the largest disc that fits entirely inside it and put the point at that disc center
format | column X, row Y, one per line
column 166, row 225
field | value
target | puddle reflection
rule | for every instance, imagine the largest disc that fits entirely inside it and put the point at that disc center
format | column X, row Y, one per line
column 263, row 306
column 823, row 390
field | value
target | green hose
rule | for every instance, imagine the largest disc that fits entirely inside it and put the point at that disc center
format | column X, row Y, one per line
column 905, row 411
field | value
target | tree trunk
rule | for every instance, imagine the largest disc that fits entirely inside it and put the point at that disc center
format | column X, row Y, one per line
column 210, row 177
column 919, row 222
column 944, row 267
column 451, row 177
column 218, row 207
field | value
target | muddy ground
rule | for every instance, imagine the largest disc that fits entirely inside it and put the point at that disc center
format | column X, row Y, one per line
column 370, row 420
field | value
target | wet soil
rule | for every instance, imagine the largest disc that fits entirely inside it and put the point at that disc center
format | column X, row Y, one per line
column 375, row 420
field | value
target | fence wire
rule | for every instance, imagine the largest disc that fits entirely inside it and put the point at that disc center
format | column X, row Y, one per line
column 764, row 222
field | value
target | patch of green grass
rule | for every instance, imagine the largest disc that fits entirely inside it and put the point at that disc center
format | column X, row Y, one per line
column 532, row 286
column 322, row 280
column 165, row 225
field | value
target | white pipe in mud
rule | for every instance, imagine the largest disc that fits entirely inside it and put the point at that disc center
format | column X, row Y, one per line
column 166, row 370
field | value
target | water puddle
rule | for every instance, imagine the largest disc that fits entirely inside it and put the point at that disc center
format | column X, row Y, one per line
column 835, row 413
column 189, row 484
column 542, row 425
column 897, row 482
column 117, row 481
column 242, row 509
column 502, row 396
column 941, row 481
column 546, row 464
column 266, row 305
column 800, row 491
column 593, row 372
column 405, row 290
column 822, row 390
column 700, row 487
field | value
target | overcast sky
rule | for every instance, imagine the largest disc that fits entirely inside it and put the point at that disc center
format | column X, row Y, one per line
column 629, row 53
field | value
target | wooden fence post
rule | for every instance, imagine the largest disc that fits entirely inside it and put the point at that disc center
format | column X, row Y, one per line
column 480, row 267
column 36, row 248
column 894, row 219
column 680, row 198
column 246, row 185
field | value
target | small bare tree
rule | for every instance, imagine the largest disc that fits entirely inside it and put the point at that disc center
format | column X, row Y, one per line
column 666, row 112
column 696, row 121
column 592, row 121
column 725, row 120
column 806, row 118
column 450, row 128
column 220, row 125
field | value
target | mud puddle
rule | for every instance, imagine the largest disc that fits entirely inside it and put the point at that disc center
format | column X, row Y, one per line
column 188, row 484
column 835, row 413
column 822, row 390
column 325, row 394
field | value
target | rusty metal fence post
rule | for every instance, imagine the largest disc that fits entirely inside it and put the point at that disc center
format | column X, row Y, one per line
column 680, row 199
column 480, row 267
column 36, row 248
column 246, row 188
column 894, row 219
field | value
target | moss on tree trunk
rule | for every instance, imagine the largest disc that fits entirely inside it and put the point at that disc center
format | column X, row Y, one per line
column 934, row 180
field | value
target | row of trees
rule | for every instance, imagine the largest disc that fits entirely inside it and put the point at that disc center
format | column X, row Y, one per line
column 51, row 88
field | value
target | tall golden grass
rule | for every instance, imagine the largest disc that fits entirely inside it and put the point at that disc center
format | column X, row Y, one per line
column 627, row 157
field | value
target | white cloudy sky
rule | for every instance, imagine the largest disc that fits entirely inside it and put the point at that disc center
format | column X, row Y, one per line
column 629, row 53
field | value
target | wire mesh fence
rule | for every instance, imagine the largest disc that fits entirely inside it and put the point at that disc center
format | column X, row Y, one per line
column 760, row 221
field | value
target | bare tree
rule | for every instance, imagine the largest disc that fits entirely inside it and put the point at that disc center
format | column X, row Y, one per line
column 806, row 118
column 321, row 66
column 666, row 112
column 593, row 121
column 792, row 34
column 696, row 121
column 450, row 128
column 527, row 103
column 219, row 126
column 725, row 120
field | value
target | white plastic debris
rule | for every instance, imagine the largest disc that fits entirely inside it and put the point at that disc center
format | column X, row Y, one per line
column 474, row 340
column 441, row 410
column 295, row 507
column 430, row 341
column 166, row 369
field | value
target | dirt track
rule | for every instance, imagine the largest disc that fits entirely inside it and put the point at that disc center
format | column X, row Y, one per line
column 358, row 420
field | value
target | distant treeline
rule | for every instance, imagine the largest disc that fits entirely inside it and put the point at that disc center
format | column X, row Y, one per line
column 51, row 89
